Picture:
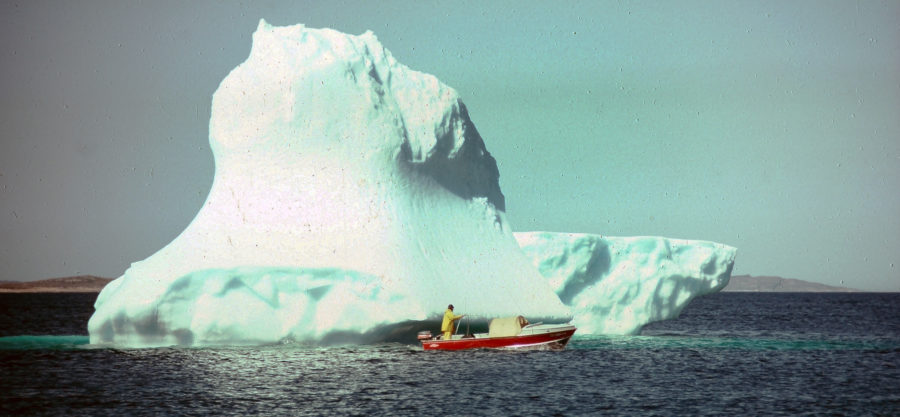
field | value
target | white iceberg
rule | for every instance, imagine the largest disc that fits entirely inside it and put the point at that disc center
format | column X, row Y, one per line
column 616, row 285
column 354, row 199
column 331, row 154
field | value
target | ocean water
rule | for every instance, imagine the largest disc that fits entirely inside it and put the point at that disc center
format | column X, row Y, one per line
column 728, row 354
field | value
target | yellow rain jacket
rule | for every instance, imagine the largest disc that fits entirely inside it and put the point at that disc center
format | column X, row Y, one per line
column 447, row 324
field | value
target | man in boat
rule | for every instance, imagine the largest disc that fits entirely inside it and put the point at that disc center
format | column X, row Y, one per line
column 447, row 324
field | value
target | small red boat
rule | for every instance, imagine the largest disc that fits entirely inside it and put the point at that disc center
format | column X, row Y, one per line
column 505, row 333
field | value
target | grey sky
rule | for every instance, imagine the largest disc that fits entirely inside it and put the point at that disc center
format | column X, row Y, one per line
column 769, row 126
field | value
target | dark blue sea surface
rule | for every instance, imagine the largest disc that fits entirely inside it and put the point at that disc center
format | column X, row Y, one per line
column 728, row 354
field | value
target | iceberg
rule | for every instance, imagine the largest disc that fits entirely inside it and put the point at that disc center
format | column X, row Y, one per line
column 616, row 285
column 353, row 200
column 333, row 162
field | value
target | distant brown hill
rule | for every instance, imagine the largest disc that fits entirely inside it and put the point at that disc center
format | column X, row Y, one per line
column 81, row 283
column 747, row 283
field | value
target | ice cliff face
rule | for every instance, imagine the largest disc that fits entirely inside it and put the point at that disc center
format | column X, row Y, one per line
column 331, row 154
column 616, row 285
column 257, row 305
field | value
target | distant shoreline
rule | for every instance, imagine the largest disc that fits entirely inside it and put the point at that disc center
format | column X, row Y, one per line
column 76, row 284
column 748, row 283
column 738, row 283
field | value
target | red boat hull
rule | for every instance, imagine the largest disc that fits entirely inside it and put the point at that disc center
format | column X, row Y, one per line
column 552, row 341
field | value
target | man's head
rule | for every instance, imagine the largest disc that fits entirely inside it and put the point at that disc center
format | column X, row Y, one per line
column 450, row 306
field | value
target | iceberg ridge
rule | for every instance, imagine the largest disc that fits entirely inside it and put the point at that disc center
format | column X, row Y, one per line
column 616, row 285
